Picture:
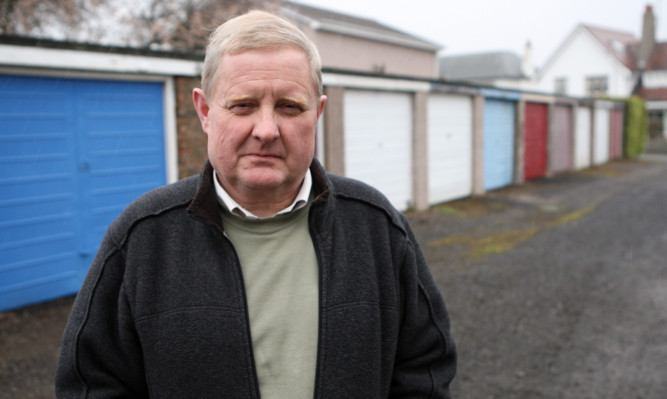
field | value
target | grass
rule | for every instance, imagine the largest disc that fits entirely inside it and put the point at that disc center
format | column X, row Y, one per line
column 478, row 247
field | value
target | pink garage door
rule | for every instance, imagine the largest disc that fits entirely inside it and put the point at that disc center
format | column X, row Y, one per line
column 563, row 139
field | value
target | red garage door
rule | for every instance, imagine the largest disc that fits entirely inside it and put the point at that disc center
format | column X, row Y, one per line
column 536, row 138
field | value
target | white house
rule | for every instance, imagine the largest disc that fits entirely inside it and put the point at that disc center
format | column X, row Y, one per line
column 599, row 62
column 591, row 62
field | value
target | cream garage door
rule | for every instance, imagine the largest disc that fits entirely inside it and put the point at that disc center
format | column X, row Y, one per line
column 378, row 145
column 449, row 147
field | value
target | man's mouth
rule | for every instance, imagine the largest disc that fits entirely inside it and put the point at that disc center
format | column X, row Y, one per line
column 263, row 156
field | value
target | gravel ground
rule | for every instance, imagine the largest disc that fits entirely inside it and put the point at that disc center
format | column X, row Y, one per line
column 29, row 343
column 557, row 289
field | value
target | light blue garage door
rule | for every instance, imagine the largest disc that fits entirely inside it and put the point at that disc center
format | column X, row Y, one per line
column 499, row 129
column 73, row 154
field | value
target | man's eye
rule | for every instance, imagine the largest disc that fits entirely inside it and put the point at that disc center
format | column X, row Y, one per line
column 291, row 109
column 241, row 108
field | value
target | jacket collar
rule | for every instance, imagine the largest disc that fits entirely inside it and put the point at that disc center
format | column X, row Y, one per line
column 205, row 205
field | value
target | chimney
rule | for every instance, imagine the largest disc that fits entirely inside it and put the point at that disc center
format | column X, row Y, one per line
column 648, row 38
column 527, row 61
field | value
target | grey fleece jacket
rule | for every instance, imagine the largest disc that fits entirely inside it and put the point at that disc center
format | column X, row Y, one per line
column 162, row 312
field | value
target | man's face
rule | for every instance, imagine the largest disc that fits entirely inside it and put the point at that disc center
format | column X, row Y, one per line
column 260, row 122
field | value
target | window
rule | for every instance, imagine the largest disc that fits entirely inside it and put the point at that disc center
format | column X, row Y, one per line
column 560, row 85
column 596, row 86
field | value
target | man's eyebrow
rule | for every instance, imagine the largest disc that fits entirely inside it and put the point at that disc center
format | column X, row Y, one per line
column 296, row 100
column 240, row 97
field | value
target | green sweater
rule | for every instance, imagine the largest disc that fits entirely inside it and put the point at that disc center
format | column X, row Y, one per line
column 280, row 275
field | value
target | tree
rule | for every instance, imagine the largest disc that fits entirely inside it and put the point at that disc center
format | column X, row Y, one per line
column 175, row 25
column 185, row 25
column 33, row 17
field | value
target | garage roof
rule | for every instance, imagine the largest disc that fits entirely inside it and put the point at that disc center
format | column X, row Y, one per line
column 334, row 22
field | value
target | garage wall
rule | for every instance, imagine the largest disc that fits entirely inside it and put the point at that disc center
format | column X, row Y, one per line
column 191, row 140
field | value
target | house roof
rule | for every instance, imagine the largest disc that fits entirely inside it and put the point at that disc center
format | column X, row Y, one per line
column 625, row 47
column 331, row 21
column 617, row 43
column 622, row 45
column 658, row 60
column 657, row 94
column 483, row 66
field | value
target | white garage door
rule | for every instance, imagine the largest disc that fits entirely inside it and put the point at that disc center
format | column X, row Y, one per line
column 449, row 147
column 378, row 144
column 582, row 142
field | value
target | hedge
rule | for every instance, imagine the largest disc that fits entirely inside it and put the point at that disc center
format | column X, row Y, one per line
column 636, row 127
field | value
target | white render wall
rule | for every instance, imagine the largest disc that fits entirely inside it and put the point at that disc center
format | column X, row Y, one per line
column 584, row 56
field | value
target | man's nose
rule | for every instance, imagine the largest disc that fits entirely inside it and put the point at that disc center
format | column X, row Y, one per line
column 266, row 126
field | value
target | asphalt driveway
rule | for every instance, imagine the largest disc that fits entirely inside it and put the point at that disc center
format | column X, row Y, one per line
column 558, row 288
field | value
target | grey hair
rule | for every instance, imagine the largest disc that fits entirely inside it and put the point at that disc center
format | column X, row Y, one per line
column 256, row 30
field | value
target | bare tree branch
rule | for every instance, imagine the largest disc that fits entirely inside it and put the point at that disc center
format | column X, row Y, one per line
column 177, row 25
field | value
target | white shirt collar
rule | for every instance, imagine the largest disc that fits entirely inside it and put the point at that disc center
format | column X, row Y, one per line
column 299, row 202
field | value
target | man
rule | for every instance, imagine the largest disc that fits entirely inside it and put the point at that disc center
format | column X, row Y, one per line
column 264, row 275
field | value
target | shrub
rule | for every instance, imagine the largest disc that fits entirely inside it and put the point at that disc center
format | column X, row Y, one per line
column 636, row 127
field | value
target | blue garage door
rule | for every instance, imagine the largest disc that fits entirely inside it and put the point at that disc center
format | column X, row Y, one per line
column 73, row 154
column 498, row 143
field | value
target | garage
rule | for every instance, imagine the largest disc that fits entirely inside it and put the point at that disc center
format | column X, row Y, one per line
column 378, row 142
column 563, row 139
column 616, row 133
column 74, row 153
column 582, row 142
column 601, row 142
column 449, row 147
column 499, row 142
column 536, row 140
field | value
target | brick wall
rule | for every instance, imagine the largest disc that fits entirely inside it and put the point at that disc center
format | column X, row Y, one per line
column 191, row 139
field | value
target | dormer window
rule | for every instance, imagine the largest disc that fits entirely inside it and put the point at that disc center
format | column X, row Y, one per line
column 618, row 47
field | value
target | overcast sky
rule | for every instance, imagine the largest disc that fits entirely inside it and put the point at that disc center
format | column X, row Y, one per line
column 468, row 26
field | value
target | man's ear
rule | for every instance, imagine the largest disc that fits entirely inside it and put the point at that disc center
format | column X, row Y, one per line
column 199, row 99
column 323, row 100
